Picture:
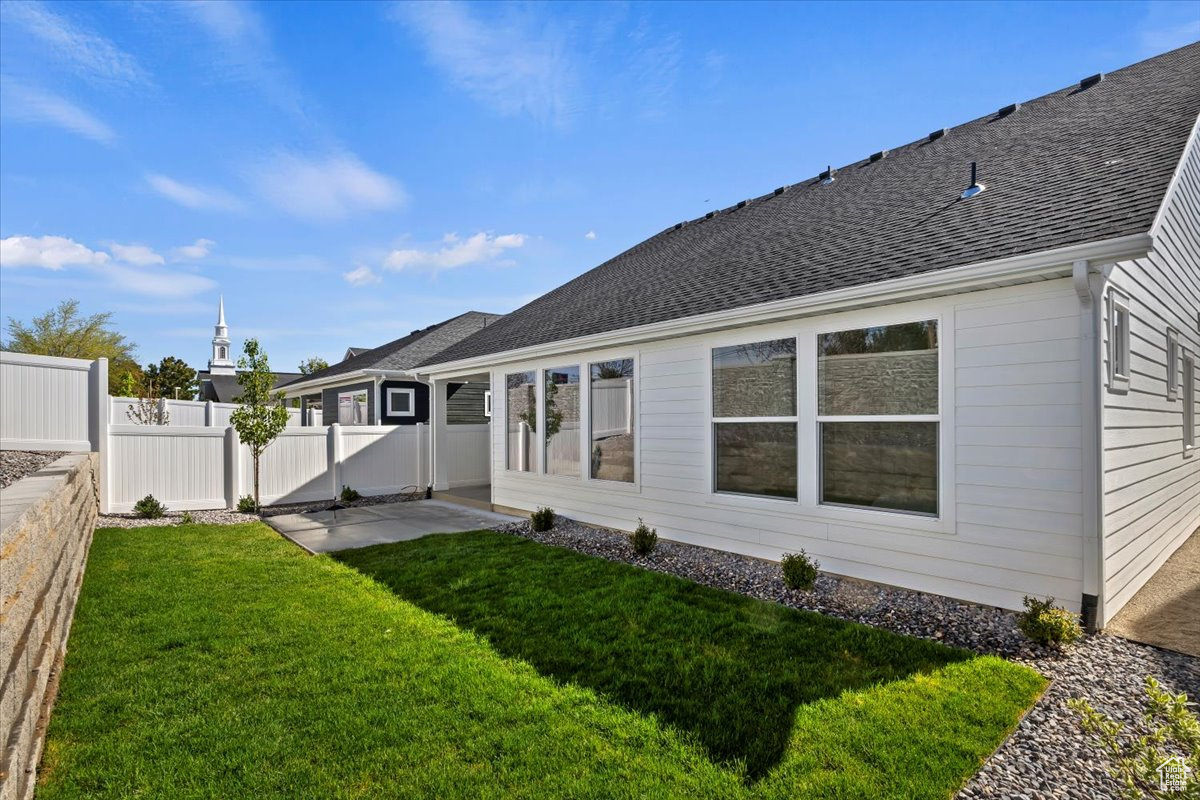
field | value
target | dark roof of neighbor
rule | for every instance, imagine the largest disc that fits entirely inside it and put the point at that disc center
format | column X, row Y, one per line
column 1077, row 165
column 355, row 351
column 226, row 389
column 411, row 350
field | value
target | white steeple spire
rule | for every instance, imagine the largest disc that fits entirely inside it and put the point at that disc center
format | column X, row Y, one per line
column 221, row 363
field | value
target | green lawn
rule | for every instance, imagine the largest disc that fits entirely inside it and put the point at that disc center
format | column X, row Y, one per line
column 223, row 662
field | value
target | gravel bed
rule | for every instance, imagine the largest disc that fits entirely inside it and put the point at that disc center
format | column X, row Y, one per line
column 16, row 464
column 1048, row 756
column 223, row 517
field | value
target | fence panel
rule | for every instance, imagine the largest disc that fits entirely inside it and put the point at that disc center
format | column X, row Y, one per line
column 469, row 453
column 380, row 460
column 293, row 469
column 183, row 467
column 612, row 406
column 46, row 403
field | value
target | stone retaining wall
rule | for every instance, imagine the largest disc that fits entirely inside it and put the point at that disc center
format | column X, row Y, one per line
column 46, row 523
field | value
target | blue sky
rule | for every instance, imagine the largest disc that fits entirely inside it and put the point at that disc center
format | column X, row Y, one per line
column 344, row 173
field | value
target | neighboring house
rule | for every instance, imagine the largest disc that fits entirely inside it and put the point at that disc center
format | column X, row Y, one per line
column 219, row 382
column 378, row 386
column 351, row 352
column 980, row 390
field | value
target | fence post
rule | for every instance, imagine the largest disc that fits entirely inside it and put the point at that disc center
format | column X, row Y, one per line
column 233, row 468
column 210, row 419
column 99, row 415
column 334, row 450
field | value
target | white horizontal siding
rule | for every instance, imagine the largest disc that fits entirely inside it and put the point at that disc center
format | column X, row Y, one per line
column 1151, row 489
column 1013, row 505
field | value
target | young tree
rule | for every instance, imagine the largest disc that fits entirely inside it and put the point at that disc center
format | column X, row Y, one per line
column 61, row 331
column 261, row 416
column 174, row 378
column 149, row 409
column 310, row 365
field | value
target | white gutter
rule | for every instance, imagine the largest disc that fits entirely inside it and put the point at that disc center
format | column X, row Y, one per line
column 1013, row 269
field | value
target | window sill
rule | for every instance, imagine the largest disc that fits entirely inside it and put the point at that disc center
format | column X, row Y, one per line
column 863, row 517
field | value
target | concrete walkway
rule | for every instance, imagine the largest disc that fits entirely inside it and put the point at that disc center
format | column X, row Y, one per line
column 1166, row 611
column 326, row 531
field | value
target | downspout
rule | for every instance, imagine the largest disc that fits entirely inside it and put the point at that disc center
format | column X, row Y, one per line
column 416, row 376
column 1091, row 318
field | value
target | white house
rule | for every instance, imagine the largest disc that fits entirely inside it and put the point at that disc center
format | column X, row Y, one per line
column 966, row 365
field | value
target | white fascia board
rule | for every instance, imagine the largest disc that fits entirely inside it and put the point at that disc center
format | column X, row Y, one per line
column 1013, row 269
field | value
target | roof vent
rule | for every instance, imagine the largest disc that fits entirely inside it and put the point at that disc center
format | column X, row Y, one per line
column 939, row 133
column 741, row 204
column 975, row 188
column 878, row 156
column 678, row 225
column 780, row 190
column 710, row 215
column 1091, row 80
column 1004, row 112
column 827, row 176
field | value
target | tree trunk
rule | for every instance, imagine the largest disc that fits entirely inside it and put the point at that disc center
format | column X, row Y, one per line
column 257, row 504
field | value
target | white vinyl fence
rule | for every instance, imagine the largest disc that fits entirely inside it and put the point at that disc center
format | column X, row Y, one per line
column 612, row 407
column 187, row 413
column 189, row 468
column 49, row 403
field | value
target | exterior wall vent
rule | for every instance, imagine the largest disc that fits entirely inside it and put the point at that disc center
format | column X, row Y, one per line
column 1091, row 80
column 939, row 133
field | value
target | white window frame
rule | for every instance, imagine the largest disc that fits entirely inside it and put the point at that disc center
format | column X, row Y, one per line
column 392, row 411
column 487, row 403
column 1172, row 364
column 868, row 418
column 367, row 405
column 544, row 443
column 743, row 338
column 1118, row 345
column 586, row 407
column 1189, row 404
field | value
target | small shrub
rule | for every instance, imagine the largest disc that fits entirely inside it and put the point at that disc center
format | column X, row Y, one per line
column 643, row 539
column 349, row 495
column 799, row 570
column 187, row 519
column 542, row 519
column 1167, row 729
column 1045, row 623
column 149, row 508
column 246, row 504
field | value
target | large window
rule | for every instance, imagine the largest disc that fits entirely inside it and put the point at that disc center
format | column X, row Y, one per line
column 754, row 418
column 611, row 411
column 877, row 409
column 562, row 421
column 352, row 407
column 521, row 416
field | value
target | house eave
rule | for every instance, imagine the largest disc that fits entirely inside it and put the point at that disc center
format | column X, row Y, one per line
column 354, row 376
column 1029, row 267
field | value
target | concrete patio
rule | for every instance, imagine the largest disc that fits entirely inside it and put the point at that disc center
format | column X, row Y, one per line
column 326, row 531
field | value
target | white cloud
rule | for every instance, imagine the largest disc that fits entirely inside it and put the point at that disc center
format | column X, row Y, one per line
column 193, row 252
column 90, row 55
column 1167, row 26
column 195, row 197
column 244, row 52
column 47, row 252
column 590, row 235
column 505, row 64
column 481, row 248
column 58, row 252
column 137, row 254
column 362, row 275
column 28, row 104
column 324, row 188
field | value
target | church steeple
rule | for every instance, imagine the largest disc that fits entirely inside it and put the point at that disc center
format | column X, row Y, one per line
column 221, row 363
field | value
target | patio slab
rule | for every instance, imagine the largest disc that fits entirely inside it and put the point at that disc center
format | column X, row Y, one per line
column 326, row 531
column 1164, row 612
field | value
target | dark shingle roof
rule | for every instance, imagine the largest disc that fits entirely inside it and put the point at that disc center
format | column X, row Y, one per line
column 1077, row 165
column 408, row 351
column 226, row 389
